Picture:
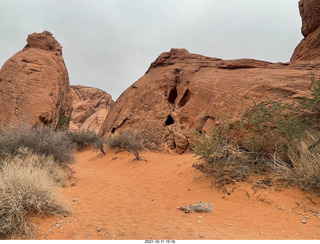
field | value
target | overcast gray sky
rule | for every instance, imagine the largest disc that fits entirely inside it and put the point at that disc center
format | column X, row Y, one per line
column 109, row 44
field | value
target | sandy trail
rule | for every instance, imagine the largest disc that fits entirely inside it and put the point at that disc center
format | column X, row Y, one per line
column 116, row 197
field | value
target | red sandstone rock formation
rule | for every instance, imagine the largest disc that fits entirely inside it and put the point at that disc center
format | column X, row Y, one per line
column 90, row 108
column 183, row 92
column 34, row 84
column 309, row 47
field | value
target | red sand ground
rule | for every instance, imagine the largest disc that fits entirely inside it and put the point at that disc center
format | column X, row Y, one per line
column 116, row 197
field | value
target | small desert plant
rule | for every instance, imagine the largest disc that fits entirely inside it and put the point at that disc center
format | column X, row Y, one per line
column 86, row 138
column 62, row 123
column 128, row 140
column 40, row 140
column 28, row 184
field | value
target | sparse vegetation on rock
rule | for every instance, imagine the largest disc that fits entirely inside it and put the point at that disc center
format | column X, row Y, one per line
column 278, row 137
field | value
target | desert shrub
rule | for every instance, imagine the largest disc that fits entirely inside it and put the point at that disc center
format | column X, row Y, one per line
column 222, row 157
column 266, row 133
column 303, row 168
column 128, row 140
column 40, row 140
column 28, row 184
column 86, row 138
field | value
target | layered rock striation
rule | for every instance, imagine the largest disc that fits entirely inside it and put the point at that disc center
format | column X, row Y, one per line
column 34, row 84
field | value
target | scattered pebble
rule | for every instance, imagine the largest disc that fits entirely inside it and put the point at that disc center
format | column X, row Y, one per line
column 261, row 233
column 99, row 229
column 201, row 236
column 307, row 217
column 75, row 200
column 229, row 224
column 298, row 213
column 303, row 222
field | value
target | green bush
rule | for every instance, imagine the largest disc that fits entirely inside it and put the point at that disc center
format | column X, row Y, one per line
column 62, row 123
column 86, row 138
column 128, row 140
column 29, row 183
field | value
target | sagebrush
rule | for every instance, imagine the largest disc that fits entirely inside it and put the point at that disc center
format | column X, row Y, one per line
column 40, row 140
column 128, row 140
column 86, row 138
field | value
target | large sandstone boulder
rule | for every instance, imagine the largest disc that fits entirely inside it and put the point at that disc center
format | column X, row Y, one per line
column 34, row 84
column 183, row 92
column 90, row 108
column 309, row 47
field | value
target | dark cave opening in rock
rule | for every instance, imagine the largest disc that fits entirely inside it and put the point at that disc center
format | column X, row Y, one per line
column 185, row 98
column 169, row 120
column 173, row 95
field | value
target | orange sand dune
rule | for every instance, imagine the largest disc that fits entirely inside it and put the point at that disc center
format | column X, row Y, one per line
column 116, row 197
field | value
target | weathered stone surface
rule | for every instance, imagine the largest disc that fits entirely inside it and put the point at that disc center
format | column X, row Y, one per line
column 184, row 92
column 199, row 207
column 309, row 12
column 309, row 47
column 90, row 107
column 34, row 84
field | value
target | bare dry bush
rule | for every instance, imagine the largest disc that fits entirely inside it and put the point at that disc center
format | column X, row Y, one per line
column 128, row 140
column 86, row 138
column 41, row 140
column 28, row 184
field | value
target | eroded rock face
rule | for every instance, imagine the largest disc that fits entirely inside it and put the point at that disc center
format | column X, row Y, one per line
column 184, row 92
column 309, row 47
column 90, row 108
column 34, row 84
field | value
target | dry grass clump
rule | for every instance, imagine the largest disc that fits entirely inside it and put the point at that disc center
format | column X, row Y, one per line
column 303, row 168
column 128, row 140
column 29, row 183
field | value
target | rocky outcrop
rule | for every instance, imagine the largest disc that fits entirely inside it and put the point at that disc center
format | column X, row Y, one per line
column 199, row 207
column 309, row 47
column 183, row 93
column 34, row 84
column 90, row 108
